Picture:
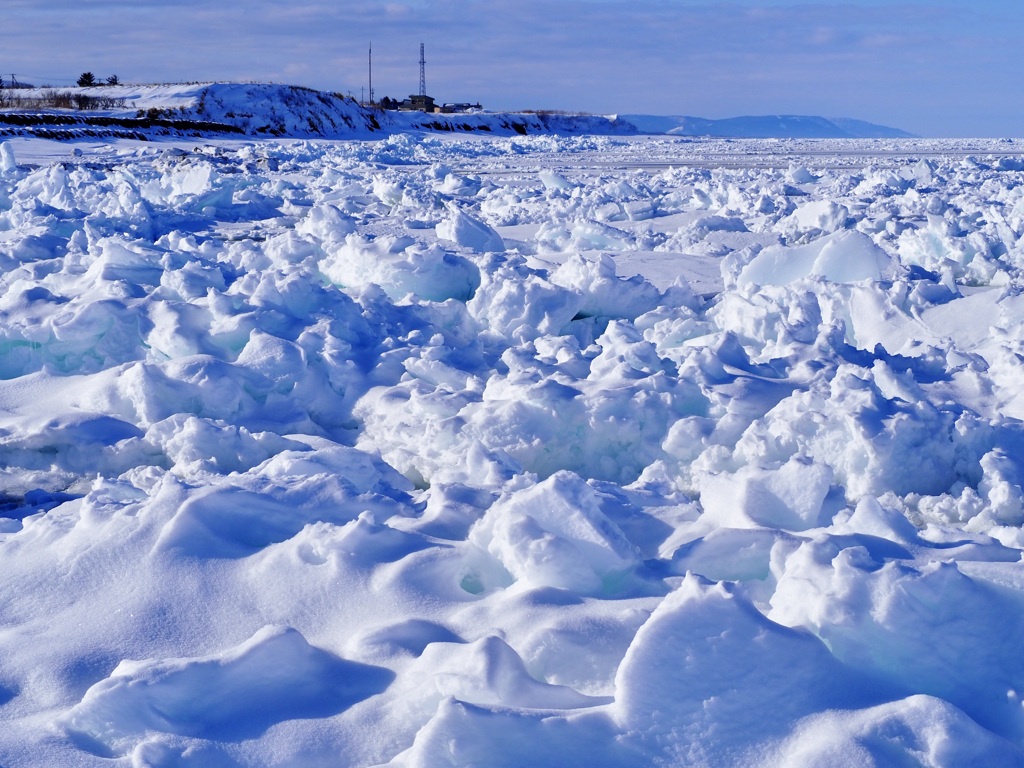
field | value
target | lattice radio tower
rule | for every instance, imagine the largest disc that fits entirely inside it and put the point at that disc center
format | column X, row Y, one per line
column 370, row 65
column 423, row 72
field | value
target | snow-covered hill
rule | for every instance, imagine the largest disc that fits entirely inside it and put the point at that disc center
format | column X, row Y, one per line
column 257, row 109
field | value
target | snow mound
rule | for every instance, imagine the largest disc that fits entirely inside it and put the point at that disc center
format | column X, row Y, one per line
column 274, row 676
column 703, row 645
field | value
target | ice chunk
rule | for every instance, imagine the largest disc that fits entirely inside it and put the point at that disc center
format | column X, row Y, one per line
column 798, row 174
column 843, row 257
column 941, row 248
column 7, row 162
column 192, row 179
column 555, row 534
column 788, row 497
column 870, row 518
column 327, row 223
column 454, row 184
column 469, row 232
column 910, row 625
column 401, row 266
column 606, row 294
column 194, row 444
column 815, row 217
column 554, row 180
column 1001, row 486
column 512, row 302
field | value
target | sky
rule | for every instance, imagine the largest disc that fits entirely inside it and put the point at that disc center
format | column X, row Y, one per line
column 944, row 68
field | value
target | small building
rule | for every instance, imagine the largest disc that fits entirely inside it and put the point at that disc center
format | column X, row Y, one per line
column 418, row 103
column 427, row 104
column 449, row 108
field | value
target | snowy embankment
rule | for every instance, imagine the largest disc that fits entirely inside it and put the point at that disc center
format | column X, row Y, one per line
column 381, row 453
column 257, row 109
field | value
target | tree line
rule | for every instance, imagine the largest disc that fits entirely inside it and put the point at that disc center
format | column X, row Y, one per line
column 88, row 80
column 85, row 80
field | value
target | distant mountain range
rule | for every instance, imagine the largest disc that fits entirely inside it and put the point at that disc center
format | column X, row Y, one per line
column 766, row 127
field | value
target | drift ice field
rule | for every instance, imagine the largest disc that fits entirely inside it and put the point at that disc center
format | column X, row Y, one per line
column 510, row 451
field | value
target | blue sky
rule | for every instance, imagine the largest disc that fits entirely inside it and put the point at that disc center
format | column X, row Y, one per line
column 941, row 68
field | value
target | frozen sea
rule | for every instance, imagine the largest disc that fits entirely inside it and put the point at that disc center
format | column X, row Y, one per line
column 489, row 451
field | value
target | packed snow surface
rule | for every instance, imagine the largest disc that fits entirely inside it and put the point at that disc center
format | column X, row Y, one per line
column 507, row 451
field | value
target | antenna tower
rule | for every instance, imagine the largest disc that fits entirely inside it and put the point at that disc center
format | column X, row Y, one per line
column 370, row 62
column 423, row 73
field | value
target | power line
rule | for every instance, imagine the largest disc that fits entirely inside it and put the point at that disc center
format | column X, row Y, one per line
column 43, row 78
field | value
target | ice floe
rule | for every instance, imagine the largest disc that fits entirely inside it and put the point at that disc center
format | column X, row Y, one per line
column 511, row 450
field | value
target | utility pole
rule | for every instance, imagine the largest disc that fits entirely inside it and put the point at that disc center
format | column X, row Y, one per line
column 370, row 63
column 423, row 73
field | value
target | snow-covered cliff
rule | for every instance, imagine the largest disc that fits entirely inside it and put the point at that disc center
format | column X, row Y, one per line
column 256, row 109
